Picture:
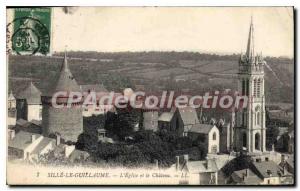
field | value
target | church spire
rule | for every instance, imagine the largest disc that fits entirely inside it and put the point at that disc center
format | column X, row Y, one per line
column 250, row 46
column 65, row 66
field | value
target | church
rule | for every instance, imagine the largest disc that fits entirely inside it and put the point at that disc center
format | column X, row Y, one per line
column 250, row 129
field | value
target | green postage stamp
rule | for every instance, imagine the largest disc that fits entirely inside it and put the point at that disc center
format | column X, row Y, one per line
column 31, row 31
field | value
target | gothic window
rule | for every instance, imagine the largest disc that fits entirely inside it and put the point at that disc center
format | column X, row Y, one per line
column 258, row 118
column 257, row 141
column 243, row 87
column 254, row 88
column 258, row 88
column 214, row 136
column 247, row 87
column 257, row 115
column 244, row 140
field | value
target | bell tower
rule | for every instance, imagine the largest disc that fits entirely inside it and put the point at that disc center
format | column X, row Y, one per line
column 250, row 131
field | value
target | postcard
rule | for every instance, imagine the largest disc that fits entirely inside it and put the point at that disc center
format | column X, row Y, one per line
column 150, row 96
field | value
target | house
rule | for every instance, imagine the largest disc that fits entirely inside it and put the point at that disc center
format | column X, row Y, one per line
column 29, row 103
column 187, row 117
column 31, row 146
column 203, row 172
column 268, row 171
column 244, row 177
column 167, row 121
column 179, row 120
column 261, row 172
column 22, row 144
column 287, row 163
column 207, row 134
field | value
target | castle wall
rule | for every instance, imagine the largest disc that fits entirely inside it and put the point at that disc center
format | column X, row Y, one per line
column 68, row 122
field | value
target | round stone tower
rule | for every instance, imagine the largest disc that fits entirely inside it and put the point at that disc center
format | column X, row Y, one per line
column 67, row 119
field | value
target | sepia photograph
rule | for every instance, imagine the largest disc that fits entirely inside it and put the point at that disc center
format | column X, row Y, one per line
column 149, row 96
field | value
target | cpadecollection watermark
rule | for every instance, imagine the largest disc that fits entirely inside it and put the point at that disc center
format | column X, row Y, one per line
column 139, row 99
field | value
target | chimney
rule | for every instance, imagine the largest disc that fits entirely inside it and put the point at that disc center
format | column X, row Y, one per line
column 57, row 139
column 11, row 134
column 177, row 162
column 33, row 138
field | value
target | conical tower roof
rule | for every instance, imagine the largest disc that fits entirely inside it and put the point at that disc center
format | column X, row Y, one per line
column 250, row 46
column 11, row 96
column 65, row 82
column 32, row 94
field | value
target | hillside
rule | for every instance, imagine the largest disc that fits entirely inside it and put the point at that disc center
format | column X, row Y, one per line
column 153, row 71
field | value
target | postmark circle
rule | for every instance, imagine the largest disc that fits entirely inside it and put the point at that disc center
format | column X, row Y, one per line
column 30, row 36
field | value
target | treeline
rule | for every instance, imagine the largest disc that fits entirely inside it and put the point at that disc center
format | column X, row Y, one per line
column 161, row 56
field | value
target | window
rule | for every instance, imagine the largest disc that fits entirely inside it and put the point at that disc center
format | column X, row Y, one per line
column 244, row 140
column 247, row 87
column 258, row 118
column 254, row 87
column 257, row 141
column 214, row 136
column 243, row 87
column 258, row 88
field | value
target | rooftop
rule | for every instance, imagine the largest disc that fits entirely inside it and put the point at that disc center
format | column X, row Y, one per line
column 31, row 93
column 188, row 115
column 267, row 169
column 201, row 128
column 22, row 140
column 66, row 81
column 166, row 116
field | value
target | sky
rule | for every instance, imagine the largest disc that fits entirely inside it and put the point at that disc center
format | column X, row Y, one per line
column 222, row 30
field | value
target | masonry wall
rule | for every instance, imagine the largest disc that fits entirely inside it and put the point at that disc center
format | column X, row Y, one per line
column 68, row 122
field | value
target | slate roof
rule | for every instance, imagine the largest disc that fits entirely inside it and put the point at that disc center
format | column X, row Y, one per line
column 188, row 115
column 22, row 140
column 201, row 128
column 65, row 81
column 31, row 93
column 267, row 169
column 251, row 179
column 166, row 116
column 22, row 123
column 31, row 127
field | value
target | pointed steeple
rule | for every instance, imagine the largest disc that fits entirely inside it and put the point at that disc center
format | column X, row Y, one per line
column 65, row 66
column 250, row 46
column 65, row 81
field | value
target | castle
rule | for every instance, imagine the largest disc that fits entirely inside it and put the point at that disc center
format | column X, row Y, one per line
column 67, row 121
